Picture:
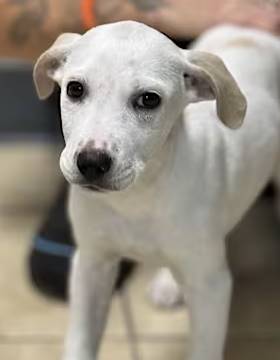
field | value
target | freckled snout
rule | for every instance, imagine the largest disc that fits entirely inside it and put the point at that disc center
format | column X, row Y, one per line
column 94, row 164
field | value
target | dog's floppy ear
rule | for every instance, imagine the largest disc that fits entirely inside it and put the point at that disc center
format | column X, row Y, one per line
column 206, row 78
column 47, row 69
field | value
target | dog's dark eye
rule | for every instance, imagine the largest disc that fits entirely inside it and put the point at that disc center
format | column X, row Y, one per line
column 148, row 100
column 75, row 90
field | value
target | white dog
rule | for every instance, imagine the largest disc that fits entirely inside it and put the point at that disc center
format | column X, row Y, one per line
column 154, row 178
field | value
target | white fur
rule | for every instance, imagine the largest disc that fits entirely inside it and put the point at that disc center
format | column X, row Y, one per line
column 188, row 178
column 164, row 291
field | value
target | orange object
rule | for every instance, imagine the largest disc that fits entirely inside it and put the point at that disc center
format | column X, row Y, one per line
column 87, row 12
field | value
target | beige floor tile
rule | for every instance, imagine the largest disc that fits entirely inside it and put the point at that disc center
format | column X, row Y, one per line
column 119, row 350
column 175, row 350
column 150, row 320
column 30, row 175
column 109, row 350
column 19, row 225
column 30, row 352
column 242, row 349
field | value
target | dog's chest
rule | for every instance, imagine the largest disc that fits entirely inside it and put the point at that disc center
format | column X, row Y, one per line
column 139, row 239
column 153, row 237
column 141, row 226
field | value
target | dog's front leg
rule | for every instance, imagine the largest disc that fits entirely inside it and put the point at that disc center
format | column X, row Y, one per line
column 92, row 281
column 208, row 293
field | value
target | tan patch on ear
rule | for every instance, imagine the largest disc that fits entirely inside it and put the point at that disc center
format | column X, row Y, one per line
column 242, row 42
column 46, row 68
column 230, row 102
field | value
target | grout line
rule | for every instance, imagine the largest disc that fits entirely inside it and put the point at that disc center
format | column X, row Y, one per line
column 30, row 339
column 133, row 339
column 181, row 338
column 255, row 335
column 48, row 339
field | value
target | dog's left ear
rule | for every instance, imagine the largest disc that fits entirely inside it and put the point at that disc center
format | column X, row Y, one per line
column 49, row 66
column 206, row 77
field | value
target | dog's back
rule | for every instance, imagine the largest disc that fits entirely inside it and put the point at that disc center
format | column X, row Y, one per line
column 249, row 53
column 247, row 156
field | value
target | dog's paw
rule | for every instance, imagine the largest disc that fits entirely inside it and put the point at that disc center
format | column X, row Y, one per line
column 164, row 290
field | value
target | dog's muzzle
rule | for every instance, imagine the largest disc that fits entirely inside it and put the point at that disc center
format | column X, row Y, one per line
column 99, row 171
column 94, row 164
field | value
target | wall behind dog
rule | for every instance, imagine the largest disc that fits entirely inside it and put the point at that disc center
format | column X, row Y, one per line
column 30, row 141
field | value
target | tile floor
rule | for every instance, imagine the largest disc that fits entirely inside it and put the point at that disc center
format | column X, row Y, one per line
column 32, row 326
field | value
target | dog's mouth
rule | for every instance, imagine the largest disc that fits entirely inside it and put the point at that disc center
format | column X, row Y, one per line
column 117, row 185
column 95, row 188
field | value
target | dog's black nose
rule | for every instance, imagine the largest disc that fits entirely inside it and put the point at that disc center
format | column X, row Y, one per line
column 94, row 164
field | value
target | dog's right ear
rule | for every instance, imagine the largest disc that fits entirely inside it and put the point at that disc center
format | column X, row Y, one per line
column 48, row 68
column 206, row 77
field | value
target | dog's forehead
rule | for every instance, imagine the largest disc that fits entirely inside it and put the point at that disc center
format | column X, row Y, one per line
column 122, row 44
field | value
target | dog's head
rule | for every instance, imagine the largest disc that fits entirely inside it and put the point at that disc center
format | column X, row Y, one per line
column 123, row 86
